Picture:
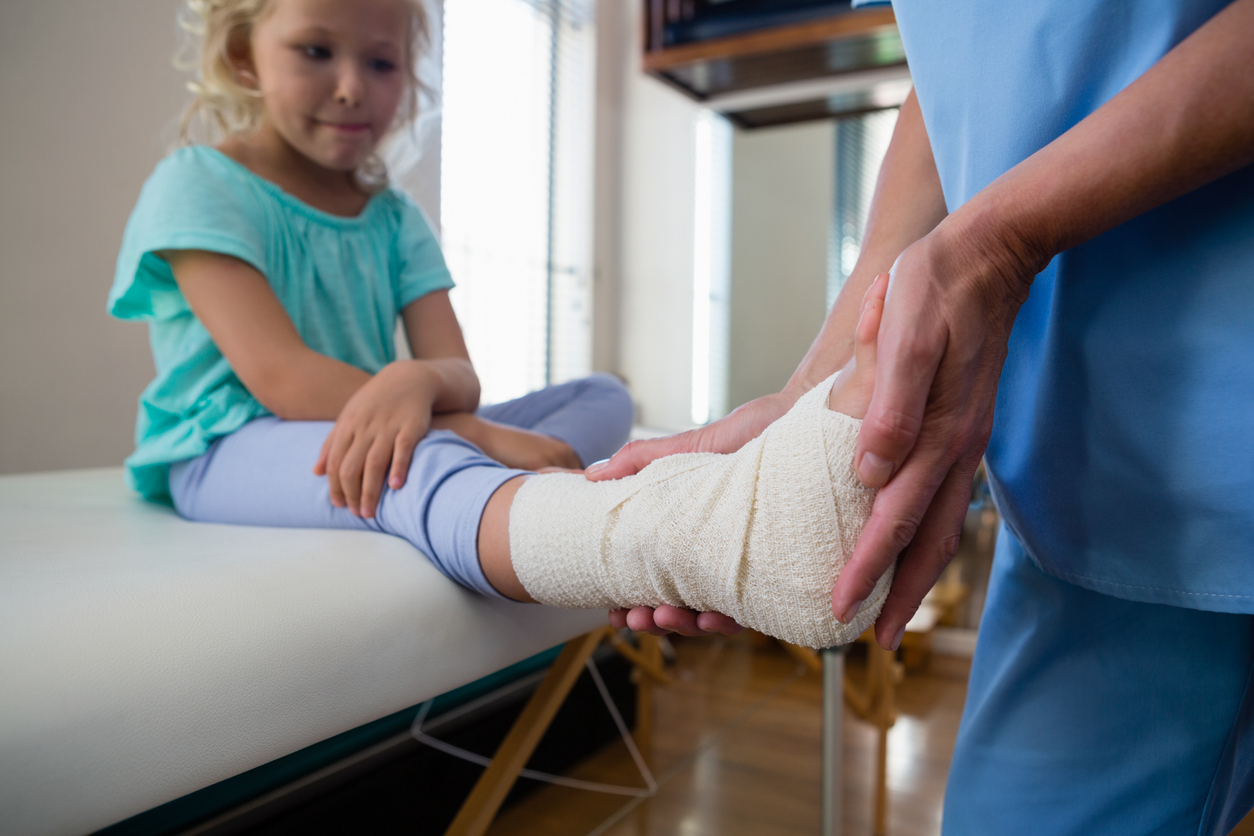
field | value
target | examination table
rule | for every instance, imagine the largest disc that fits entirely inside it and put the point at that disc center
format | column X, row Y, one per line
column 143, row 657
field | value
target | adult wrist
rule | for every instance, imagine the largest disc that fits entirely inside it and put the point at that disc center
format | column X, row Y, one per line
column 989, row 242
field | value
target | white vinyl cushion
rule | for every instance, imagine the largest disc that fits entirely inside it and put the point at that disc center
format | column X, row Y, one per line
column 143, row 657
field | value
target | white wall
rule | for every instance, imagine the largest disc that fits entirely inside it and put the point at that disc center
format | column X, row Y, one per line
column 782, row 194
column 85, row 110
column 88, row 104
column 644, row 237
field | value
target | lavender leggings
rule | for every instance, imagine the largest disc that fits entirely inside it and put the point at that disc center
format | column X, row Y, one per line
column 262, row 474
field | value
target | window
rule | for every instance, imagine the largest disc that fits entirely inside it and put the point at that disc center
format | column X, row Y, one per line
column 711, row 267
column 861, row 142
column 516, row 186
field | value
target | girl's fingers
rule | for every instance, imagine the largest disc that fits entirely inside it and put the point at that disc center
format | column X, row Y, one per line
column 350, row 471
column 335, row 458
column 402, row 457
column 320, row 466
column 378, row 459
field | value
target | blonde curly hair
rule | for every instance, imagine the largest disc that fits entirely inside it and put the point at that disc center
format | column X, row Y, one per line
column 223, row 106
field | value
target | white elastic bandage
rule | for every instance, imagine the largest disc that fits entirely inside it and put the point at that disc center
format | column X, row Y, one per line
column 759, row 535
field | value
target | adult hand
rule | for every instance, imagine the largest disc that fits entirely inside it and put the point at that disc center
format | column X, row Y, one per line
column 667, row 619
column 952, row 301
column 726, row 435
column 375, row 435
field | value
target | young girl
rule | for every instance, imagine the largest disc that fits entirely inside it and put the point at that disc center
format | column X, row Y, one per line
column 272, row 269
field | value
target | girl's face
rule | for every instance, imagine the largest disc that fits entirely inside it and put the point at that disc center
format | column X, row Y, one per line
column 330, row 75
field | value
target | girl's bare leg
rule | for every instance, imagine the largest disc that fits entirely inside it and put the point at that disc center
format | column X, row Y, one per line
column 494, row 543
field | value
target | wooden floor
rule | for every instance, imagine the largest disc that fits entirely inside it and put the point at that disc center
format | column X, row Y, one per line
column 736, row 751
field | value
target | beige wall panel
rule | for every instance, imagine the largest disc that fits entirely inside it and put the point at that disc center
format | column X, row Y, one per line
column 782, row 196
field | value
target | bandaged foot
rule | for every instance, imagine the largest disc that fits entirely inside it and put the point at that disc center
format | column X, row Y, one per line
column 759, row 535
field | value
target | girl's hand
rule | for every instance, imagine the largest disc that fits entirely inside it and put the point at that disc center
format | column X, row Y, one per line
column 376, row 433
column 511, row 446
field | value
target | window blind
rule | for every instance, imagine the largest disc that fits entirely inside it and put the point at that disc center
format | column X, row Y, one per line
column 861, row 142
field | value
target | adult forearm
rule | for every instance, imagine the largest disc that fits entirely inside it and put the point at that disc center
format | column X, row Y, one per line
column 907, row 204
column 1186, row 122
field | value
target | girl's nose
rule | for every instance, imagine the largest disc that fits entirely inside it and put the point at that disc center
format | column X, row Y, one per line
column 349, row 90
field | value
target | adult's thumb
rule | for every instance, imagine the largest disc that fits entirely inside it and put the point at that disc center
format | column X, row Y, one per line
column 635, row 456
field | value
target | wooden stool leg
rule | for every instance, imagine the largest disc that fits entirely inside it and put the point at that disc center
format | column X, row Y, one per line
column 646, row 709
column 880, row 827
column 880, row 664
column 646, row 682
column 494, row 784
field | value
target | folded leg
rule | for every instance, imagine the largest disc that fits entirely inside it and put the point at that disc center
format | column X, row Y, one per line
column 262, row 474
column 593, row 415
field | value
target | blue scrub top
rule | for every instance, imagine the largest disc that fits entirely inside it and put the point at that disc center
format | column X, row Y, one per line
column 1122, row 454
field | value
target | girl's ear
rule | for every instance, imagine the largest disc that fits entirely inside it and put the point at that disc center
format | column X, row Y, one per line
column 239, row 54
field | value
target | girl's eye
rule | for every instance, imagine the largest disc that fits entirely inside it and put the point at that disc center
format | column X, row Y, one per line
column 317, row 53
column 382, row 65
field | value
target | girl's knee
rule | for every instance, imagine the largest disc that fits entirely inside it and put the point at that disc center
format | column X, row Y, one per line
column 612, row 391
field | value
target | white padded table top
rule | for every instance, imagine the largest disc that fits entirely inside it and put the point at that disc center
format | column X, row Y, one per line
column 143, row 657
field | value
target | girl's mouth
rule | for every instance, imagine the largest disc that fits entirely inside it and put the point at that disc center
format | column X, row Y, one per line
column 348, row 127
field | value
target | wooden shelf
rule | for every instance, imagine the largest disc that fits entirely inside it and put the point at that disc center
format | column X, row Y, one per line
column 843, row 43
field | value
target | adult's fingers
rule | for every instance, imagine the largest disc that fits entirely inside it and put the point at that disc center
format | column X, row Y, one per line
column 726, row 435
column 676, row 620
column 716, row 622
column 907, row 359
column 641, row 620
column 895, row 518
column 934, row 545
column 635, row 456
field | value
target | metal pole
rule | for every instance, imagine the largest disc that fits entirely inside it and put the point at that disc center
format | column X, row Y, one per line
column 833, row 722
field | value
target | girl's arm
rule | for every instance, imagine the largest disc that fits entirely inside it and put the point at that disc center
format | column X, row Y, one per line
column 435, row 338
column 433, row 332
column 256, row 336
column 377, row 430
column 379, row 419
